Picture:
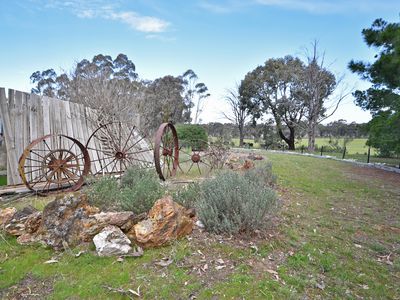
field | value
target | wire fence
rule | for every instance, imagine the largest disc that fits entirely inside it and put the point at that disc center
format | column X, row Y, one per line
column 368, row 157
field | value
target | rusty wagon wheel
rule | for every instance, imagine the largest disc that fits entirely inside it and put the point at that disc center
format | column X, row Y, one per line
column 115, row 146
column 197, row 155
column 166, row 151
column 52, row 163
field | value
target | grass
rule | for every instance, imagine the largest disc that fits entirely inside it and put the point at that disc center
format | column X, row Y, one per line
column 3, row 180
column 355, row 146
column 336, row 226
column 355, row 149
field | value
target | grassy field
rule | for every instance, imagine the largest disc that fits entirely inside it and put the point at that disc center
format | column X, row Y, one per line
column 356, row 149
column 336, row 237
column 353, row 147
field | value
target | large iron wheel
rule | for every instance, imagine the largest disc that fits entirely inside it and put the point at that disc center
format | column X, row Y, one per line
column 52, row 163
column 115, row 146
column 166, row 151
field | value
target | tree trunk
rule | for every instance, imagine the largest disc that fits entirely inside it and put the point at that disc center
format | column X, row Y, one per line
column 241, row 137
column 288, row 140
column 311, row 135
column 291, row 139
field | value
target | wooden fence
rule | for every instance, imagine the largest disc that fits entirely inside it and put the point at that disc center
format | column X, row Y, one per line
column 27, row 117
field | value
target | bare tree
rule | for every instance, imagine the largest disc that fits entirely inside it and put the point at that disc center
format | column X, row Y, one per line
column 320, row 91
column 239, row 112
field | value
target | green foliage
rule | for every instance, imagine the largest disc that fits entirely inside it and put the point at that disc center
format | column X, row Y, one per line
column 140, row 188
column 232, row 203
column 192, row 135
column 384, row 133
column 382, row 98
column 188, row 195
column 104, row 192
column 137, row 191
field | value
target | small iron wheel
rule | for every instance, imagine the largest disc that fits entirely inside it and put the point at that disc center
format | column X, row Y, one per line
column 198, row 153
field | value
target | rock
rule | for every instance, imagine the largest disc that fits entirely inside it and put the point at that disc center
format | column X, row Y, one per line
column 248, row 164
column 253, row 156
column 200, row 224
column 6, row 215
column 16, row 226
column 33, row 222
column 167, row 221
column 111, row 241
column 95, row 223
column 62, row 221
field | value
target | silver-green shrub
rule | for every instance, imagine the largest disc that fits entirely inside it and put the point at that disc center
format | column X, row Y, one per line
column 136, row 191
column 188, row 195
column 104, row 192
column 233, row 203
column 140, row 188
column 262, row 173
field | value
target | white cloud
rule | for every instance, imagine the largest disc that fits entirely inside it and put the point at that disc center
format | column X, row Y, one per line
column 138, row 22
column 106, row 9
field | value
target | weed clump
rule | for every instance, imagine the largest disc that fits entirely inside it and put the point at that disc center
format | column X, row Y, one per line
column 233, row 203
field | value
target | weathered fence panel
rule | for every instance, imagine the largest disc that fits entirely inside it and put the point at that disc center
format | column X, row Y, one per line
column 27, row 117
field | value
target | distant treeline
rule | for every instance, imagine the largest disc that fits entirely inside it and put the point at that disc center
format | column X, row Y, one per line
column 267, row 132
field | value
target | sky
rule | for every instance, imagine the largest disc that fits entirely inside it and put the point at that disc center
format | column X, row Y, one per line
column 220, row 40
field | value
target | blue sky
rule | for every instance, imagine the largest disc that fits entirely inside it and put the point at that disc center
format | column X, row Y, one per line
column 220, row 40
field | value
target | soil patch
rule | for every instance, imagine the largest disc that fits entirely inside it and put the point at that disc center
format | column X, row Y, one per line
column 29, row 287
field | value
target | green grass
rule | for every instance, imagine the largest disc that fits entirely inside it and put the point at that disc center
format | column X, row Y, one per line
column 355, row 146
column 334, row 226
column 3, row 180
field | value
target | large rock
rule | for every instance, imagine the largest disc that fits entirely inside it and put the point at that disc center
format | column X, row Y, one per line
column 62, row 221
column 6, row 215
column 111, row 241
column 16, row 225
column 167, row 221
column 95, row 223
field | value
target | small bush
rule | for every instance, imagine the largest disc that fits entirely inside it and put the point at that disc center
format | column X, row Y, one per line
column 188, row 195
column 104, row 192
column 192, row 135
column 137, row 191
column 232, row 203
column 140, row 188
column 262, row 174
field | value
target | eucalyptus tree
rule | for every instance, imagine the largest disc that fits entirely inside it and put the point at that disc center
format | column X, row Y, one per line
column 195, row 94
column 274, row 88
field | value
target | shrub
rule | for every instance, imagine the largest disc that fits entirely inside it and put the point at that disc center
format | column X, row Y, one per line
column 188, row 195
column 140, row 188
column 104, row 192
column 261, row 174
column 231, row 203
column 137, row 191
column 192, row 135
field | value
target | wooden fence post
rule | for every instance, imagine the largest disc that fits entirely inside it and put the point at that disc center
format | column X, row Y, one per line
column 322, row 149
column 344, row 152
column 369, row 154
